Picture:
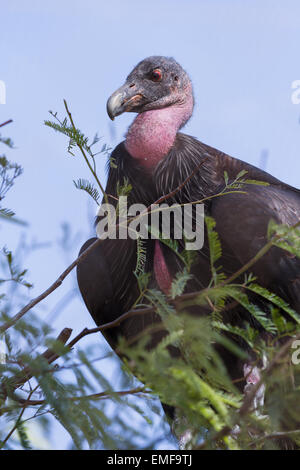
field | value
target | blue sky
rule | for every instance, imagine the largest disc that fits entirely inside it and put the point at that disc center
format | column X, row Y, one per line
column 242, row 56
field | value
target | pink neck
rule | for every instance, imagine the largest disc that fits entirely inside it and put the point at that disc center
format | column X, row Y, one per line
column 162, row 274
column 152, row 133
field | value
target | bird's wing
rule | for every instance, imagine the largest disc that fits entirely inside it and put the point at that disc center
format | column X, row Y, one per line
column 95, row 283
column 106, row 277
column 242, row 224
column 106, row 281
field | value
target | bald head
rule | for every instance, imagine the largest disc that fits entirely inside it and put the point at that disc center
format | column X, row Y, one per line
column 156, row 82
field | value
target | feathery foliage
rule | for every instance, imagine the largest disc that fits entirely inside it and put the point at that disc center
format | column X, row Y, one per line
column 47, row 378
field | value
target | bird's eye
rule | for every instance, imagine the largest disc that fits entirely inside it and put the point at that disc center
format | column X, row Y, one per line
column 156, row 75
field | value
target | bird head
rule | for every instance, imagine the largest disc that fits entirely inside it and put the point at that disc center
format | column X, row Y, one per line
column 156, row 82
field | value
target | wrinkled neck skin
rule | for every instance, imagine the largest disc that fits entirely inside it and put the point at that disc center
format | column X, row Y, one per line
column 150, row 137
column 152, row 134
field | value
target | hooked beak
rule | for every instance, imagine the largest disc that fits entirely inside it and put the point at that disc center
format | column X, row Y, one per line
column 125, row 99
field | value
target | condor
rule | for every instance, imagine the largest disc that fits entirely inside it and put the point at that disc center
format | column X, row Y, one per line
column 155, row 158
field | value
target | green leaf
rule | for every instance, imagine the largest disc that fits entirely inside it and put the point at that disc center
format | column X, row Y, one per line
column 179, row 283
column 89, row 188
column 215, row 250
column 275, row 299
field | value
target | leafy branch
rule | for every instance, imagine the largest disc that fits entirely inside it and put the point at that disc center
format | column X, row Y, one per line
column 202, row 392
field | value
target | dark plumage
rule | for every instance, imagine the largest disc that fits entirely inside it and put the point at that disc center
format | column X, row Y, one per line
column 106, row 278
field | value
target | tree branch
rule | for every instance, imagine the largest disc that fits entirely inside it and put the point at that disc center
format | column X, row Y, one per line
column 26, row 373
column 6, row 122
column 93, row 396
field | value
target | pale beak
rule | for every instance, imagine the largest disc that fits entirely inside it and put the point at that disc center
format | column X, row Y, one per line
column 123, row 100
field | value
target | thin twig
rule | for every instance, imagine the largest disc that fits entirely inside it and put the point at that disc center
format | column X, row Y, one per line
column 276, row 435
column 93, row 396
column 49, row 355
column 2, row 444
column 6, row 122
column 50, row 289
column 84, row 154
column 181, row 186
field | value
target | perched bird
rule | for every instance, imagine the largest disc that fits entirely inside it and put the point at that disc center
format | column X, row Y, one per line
column 155, row 158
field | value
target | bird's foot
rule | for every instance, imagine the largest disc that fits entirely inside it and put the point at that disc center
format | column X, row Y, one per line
column 252, row 376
